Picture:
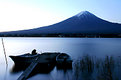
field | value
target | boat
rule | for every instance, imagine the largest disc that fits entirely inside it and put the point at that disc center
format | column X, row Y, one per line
column 24, row 58
column 29, row 58
column 63, row 61
column 34, row 64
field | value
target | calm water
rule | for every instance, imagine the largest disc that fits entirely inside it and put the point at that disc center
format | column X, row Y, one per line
column 75, row 47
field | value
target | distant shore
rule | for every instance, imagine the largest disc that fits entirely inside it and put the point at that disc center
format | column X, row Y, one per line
column 64, row 35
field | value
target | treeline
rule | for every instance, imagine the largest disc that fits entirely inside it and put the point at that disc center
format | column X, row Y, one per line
column 64, row 35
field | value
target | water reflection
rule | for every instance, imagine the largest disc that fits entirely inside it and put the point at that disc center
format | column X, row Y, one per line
column 39, row 69
column 64, row 74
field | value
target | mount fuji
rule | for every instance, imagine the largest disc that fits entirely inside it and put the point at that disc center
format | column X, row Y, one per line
column 82, row 23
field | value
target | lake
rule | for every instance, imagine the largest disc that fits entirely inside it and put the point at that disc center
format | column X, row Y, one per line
column 75, row 47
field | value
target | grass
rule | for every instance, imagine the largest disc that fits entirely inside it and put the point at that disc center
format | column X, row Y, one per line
column 92, row 68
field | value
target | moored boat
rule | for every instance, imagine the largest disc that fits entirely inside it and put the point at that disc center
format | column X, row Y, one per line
column 63, row 61
column 28, row 58
column 24, row 58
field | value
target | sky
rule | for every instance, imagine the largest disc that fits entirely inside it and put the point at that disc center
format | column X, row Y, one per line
column 28, row 14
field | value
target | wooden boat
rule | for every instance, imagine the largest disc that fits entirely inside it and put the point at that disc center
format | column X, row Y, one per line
column 32, row 64
column 63, row 60
column 25, row 58
column 28, row 58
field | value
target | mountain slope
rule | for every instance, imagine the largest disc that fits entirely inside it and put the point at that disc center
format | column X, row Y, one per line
column 84, row 22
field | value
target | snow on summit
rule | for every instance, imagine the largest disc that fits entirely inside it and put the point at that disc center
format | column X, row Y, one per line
column 85, row 15
column 82, row 13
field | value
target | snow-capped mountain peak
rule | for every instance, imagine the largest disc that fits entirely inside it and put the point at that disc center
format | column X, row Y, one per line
column 85, row 14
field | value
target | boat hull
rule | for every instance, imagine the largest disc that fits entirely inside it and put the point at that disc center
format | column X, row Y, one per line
column 27, row 59
column 24, row 59
column 63, row 61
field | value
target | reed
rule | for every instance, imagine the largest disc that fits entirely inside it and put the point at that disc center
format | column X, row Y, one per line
column 91, row 68
column 105, row 71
